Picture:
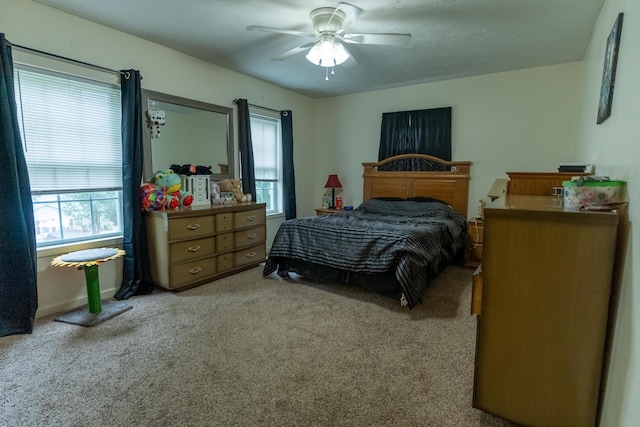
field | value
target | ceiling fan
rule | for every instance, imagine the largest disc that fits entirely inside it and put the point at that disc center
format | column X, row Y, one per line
column 329, row 24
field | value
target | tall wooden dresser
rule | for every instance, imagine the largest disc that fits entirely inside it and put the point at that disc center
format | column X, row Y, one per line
column 192, row 246
column 547, row 280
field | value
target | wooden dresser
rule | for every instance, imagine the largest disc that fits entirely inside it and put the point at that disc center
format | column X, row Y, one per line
column 192, row 246
column 545, row 302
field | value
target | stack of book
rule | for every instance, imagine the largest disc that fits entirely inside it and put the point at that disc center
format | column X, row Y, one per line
column 576, row 167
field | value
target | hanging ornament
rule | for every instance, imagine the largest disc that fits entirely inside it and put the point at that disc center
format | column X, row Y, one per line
column 156, row 118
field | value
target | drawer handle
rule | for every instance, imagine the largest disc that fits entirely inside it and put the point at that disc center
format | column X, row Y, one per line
column 194, row 248
column 252, row 236
column 251, row 254
column 195, row 270
column 193, row 226
column 251, row 218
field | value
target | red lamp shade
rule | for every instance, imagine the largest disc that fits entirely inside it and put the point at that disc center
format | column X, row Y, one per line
column 333, row 182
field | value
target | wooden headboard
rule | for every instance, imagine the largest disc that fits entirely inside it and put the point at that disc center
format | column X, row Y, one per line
column 446, row 181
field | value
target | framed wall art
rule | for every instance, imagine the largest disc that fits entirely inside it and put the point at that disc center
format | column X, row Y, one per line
column 609, row 71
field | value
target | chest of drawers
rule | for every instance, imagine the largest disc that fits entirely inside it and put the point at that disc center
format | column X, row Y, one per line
column 544, row 311
column 196, row 245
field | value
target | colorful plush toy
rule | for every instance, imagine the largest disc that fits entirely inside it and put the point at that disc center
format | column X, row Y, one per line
column 152, row 197
column 171, row 182
column 237, row 191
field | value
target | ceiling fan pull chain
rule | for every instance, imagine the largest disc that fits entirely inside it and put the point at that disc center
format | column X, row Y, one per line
column 333, row 71
column 326, row 74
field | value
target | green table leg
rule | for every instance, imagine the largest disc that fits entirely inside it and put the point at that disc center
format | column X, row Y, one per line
column 93, row 288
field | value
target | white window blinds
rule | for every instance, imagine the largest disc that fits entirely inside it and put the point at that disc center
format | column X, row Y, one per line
column 265, row 133
column 70, row 130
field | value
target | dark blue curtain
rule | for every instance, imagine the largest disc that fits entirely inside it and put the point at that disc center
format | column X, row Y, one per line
column 419, row 131
column 246, row 149
column 289, row 176
column 136, row 276
column 18, row 256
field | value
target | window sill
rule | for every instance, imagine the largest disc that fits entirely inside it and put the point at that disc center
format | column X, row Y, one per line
column 275, row 215
column 52, row 251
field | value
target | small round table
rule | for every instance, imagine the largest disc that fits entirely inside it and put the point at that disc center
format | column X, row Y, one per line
column 89, row 260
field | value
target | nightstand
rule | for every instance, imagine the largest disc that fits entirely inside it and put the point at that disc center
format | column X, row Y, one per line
column 473, row 250
column 323, row 211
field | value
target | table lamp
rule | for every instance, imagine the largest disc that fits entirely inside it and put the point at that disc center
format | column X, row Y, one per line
column 499, row 188
column 333, row 182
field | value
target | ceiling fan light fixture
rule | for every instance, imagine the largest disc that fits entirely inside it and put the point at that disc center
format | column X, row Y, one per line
column 327, row 53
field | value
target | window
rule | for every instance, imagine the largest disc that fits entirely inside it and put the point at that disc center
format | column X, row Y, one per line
column 267, row 158
column 70, row 129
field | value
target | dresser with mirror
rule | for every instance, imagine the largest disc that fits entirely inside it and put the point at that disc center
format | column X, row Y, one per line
column 194, row 245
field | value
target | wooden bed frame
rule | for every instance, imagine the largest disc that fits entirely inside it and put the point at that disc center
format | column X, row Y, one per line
column 445, row 180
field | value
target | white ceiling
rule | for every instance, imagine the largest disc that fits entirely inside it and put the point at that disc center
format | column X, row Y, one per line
column 450, row 38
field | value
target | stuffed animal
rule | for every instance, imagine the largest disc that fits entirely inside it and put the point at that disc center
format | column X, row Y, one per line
column 226, row 190
column 216, row 197
column 171, row 182
column 191, row 170
column 237, row 191
column 152, row 197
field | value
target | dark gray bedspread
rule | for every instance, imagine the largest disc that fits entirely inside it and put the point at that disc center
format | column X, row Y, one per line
column 416, row 239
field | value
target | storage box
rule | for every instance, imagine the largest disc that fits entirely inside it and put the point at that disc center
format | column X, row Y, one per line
column 593, row 193
column 608, row 191
column 199, row 186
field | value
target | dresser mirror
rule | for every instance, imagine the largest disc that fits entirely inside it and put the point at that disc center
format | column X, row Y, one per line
column 181, row 131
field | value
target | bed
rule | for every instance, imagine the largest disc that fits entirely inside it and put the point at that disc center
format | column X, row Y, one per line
column 410, row 226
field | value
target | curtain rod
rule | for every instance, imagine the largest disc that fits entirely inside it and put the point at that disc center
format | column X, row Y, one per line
column 86, row 64
column 235, row 101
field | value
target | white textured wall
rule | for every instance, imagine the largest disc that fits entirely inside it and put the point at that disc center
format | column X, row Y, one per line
column 614, row 146
column 514, row 121
column 40, row 27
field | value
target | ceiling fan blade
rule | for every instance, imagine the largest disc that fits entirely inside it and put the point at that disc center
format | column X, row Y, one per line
column 388, row 39
column 294, row 51
column 351, row 62
column 280, row 31
column 350, row 10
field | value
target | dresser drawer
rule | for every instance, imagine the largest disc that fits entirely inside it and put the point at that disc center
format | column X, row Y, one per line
column 190, row 227
column 224, row 242
column 191, row 249
column 250, row 255
column 183, row 274
column 224, row 222
column 225, row 262
column 249, row 218
column 251, row 236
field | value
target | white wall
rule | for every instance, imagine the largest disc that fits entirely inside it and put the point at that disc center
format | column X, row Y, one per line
column 40, row 27
column 614, row 147
column 514, row 121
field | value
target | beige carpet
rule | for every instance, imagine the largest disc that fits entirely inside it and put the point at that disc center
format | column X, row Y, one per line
column 248, row 351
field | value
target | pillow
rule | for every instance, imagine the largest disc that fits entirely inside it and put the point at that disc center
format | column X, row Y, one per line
column 389, row 199
column 419, row 199
column 423, row 199
column 402, row 207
